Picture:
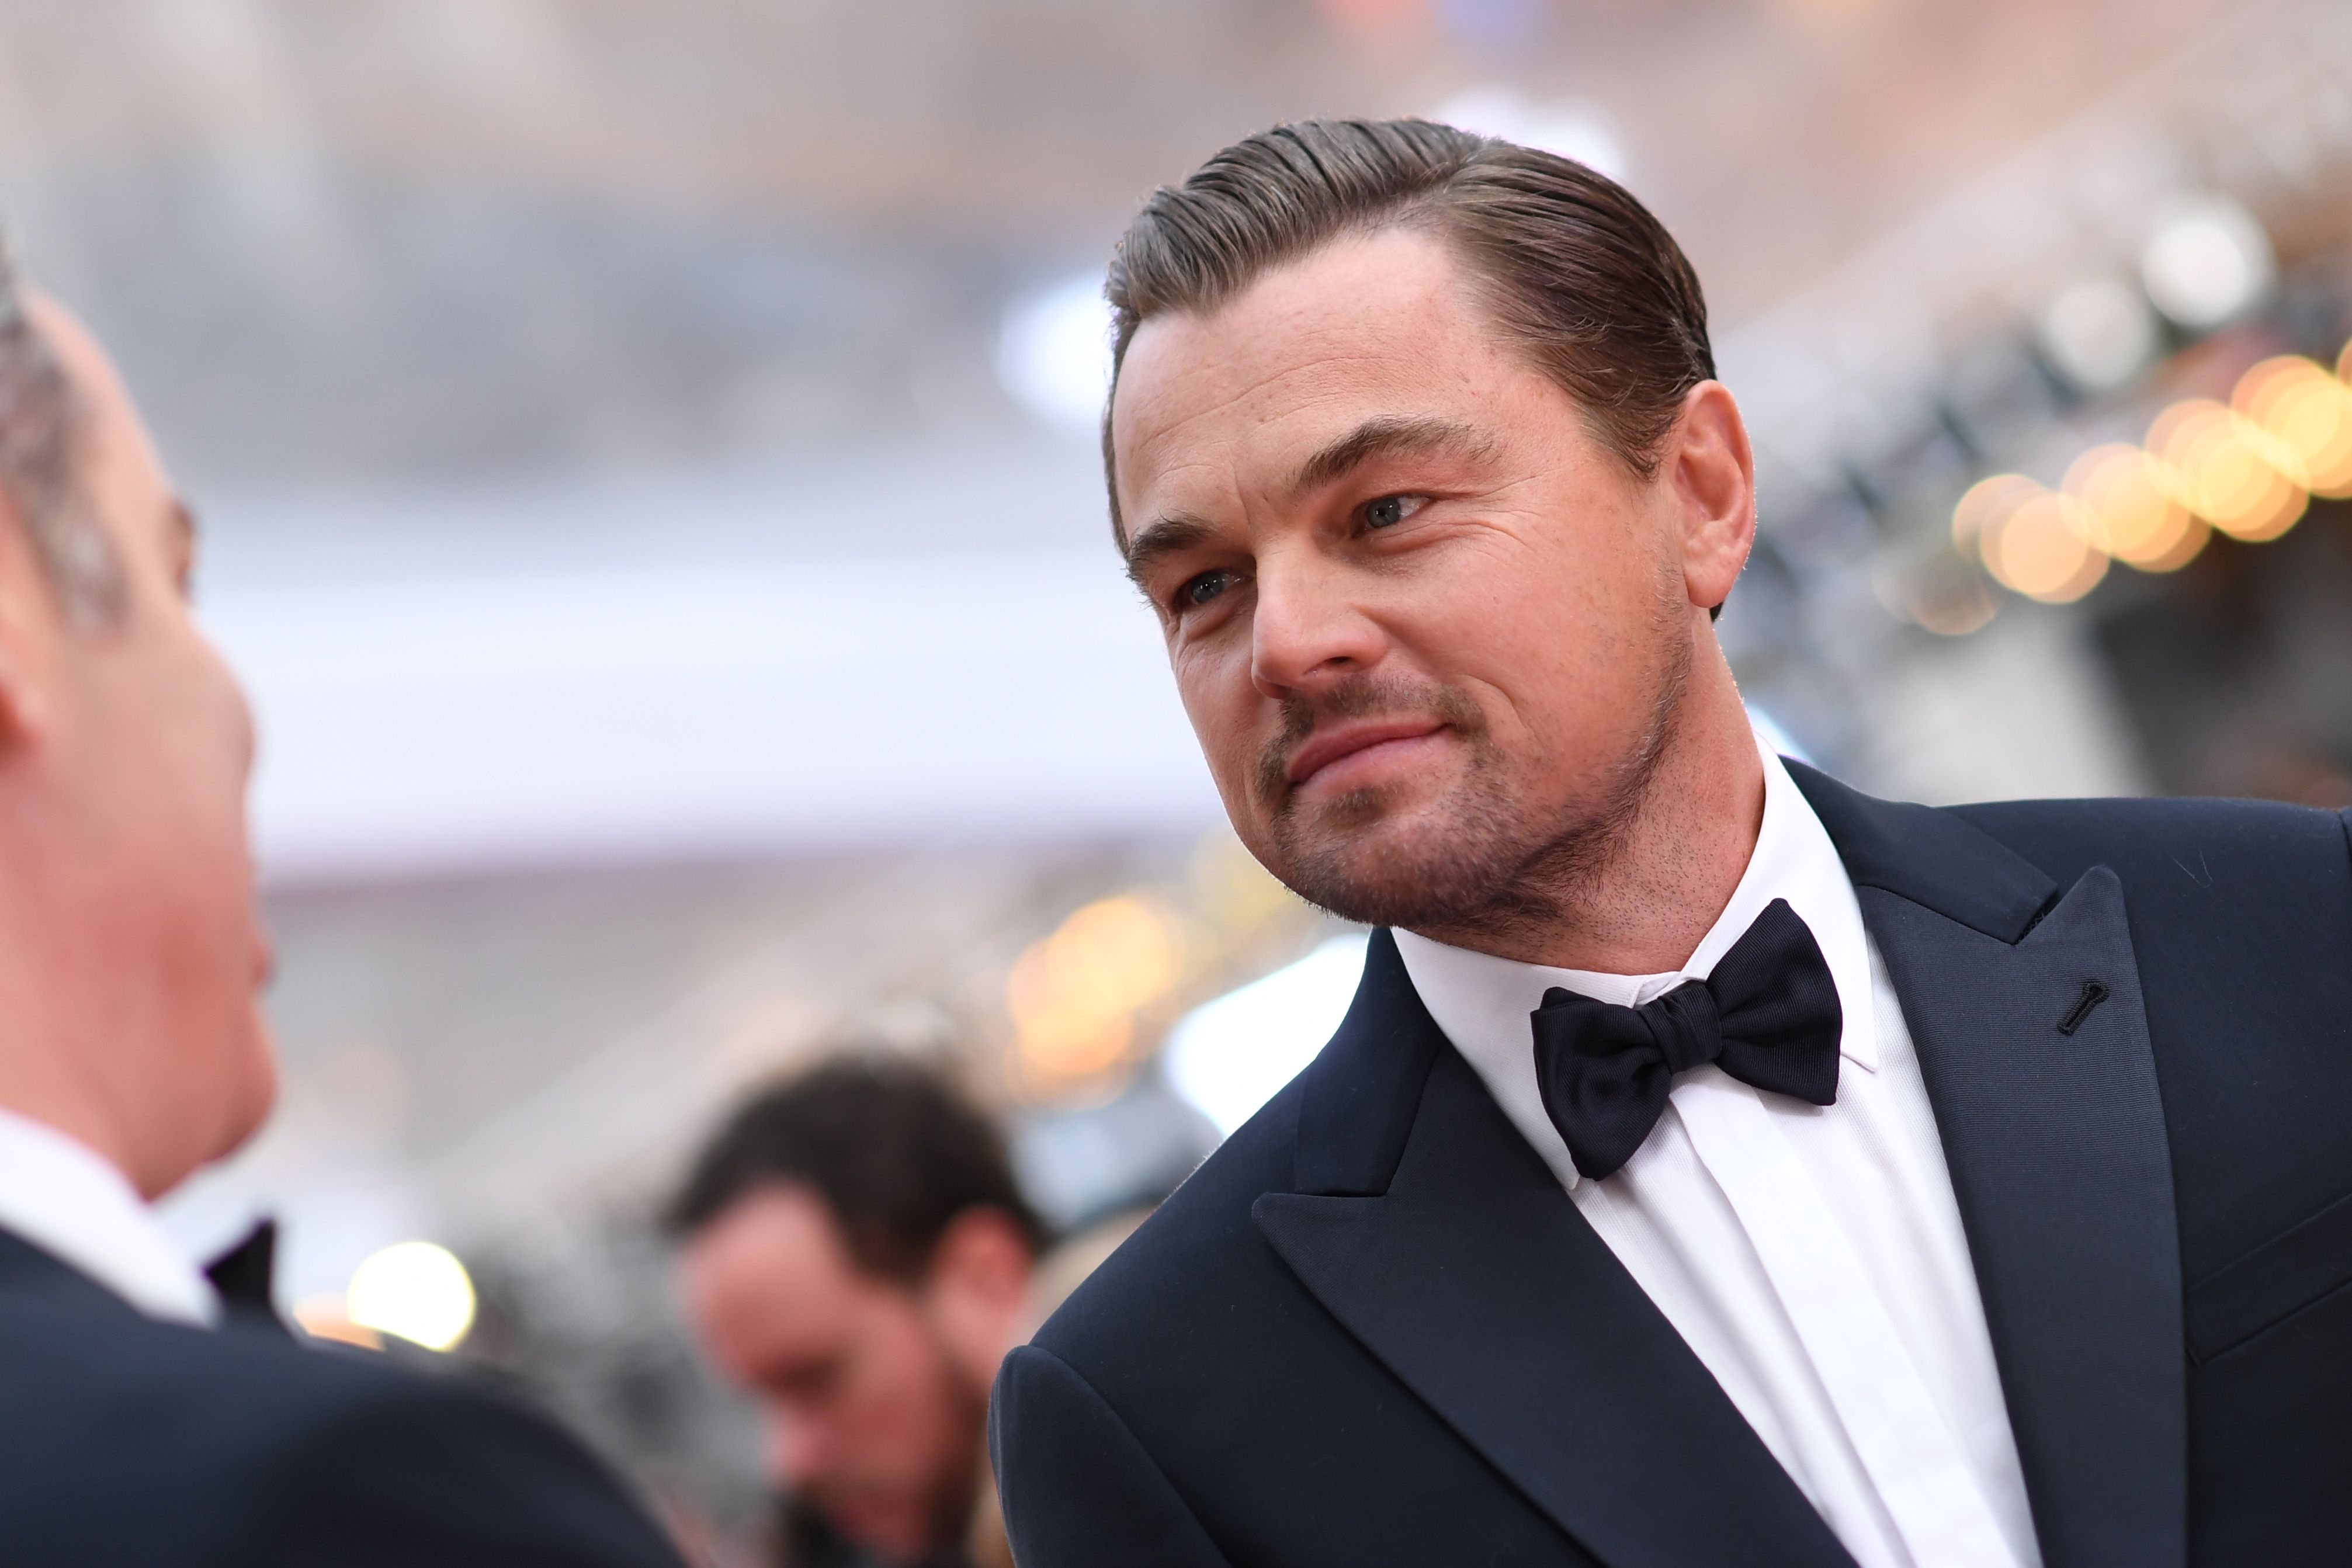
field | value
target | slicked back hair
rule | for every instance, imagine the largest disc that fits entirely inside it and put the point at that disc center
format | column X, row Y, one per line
column 1571, row 267
column 41, row 427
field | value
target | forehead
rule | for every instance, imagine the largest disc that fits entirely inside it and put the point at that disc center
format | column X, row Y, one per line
column 1364, row 327
column 776, row 1255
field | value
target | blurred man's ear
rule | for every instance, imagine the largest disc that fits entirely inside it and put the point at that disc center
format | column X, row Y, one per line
column 978, row 1288
column 28, row 628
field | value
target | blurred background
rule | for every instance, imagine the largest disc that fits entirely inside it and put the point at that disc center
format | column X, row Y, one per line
column 645, row 455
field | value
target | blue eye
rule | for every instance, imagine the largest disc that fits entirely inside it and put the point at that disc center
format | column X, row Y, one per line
column 1390, row 510
column 1203, row 588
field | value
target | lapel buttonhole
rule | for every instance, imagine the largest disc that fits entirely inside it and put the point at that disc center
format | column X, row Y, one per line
column 2093, row 994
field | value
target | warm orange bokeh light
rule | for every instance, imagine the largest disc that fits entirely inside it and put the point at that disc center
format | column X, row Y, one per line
column 1988, row 504
column 2307, row 413
column 2248, row 467
column 1074, row 995
column 2134, row 514
column 2225, row 468
column 2044, row 550
column 2033, row 540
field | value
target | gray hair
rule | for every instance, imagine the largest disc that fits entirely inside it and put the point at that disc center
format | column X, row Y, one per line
column 42, row 423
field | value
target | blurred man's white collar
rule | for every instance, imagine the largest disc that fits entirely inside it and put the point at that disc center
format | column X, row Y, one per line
column 68, row 1200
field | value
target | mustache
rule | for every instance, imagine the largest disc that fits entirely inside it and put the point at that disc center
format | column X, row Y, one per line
column 1359, row 697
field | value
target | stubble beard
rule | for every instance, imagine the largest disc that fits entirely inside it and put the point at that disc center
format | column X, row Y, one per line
column 950, row 1492
column 1479, row 863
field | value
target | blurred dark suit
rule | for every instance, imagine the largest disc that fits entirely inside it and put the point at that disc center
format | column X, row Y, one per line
column 1374, row 1328
column 128, row 1441
column 809, row 1542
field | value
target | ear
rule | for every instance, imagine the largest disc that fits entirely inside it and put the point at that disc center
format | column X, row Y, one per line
column 31, row 628
column 978, row 1288
column 1713, row 475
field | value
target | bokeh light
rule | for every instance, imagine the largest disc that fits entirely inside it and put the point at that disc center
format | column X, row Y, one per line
column 1954, row 608
column 2099, row 334
column 2248, row 467
column 1229, row 1057
column 2043, row 549
column 2308, row 414
column 1074, row 995
column 414, row 1289
column 1986, row 508
column 327, row 1316
column 2208, row 264
column 2133, row 514
column 2223, row 468
column 1053, row 354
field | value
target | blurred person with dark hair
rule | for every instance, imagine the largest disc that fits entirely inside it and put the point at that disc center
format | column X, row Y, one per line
column 1717, row 1165
column 143, row 1424
column 858, row 1257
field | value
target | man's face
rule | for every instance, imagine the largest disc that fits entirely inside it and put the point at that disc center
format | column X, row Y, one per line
column 1429, row 630
column 137, row 753
column 871, row 1421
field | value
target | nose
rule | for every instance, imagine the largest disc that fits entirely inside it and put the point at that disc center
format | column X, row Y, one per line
column 236, row 704
column 1308, row 629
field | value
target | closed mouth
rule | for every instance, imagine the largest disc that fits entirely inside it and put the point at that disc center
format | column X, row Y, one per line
column 1325, row 752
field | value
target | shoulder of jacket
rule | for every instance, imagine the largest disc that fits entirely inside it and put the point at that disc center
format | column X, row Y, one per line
column 2252, row 825
column 1192, row 1241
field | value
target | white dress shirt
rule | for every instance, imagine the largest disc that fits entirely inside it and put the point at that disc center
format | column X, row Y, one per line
column 68, row 1200
column 1812, row 1257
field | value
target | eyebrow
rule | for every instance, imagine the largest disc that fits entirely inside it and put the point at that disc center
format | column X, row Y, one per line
column 1161, row 538
column 1385, row 436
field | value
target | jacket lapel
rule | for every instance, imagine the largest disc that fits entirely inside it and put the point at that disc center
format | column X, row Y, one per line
column 1432, row 1232
column 2033, row 1042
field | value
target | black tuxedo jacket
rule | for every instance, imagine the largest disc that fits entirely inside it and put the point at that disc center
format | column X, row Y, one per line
column 129, row 1443
column 1373, row 1329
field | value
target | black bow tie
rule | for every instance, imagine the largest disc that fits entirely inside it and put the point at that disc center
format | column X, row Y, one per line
column 243, row 1276
column 1769, row 1016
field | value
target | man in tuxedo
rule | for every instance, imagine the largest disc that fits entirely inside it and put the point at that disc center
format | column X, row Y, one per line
column 143, row 1424
column 1717, row 1165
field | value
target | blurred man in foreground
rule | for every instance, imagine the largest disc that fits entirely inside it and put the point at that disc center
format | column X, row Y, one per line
column 1717, row 1165
column 136, row 1430
column 858, row 1257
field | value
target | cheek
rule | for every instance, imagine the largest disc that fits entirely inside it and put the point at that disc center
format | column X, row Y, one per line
column 213, row 746
column 1213, row 679
column 899, row 1418
column 1548, row 644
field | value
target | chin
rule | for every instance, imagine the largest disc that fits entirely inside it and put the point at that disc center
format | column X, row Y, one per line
column 894, row 1539
column 255, row 1076
column 1378, row 864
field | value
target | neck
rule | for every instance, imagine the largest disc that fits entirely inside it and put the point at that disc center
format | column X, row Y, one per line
column 54, row 1063
column 38, row 1086
column 1641, row 901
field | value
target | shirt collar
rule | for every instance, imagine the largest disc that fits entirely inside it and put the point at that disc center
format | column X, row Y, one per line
column 65, row 1198
column 1482, row 1002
